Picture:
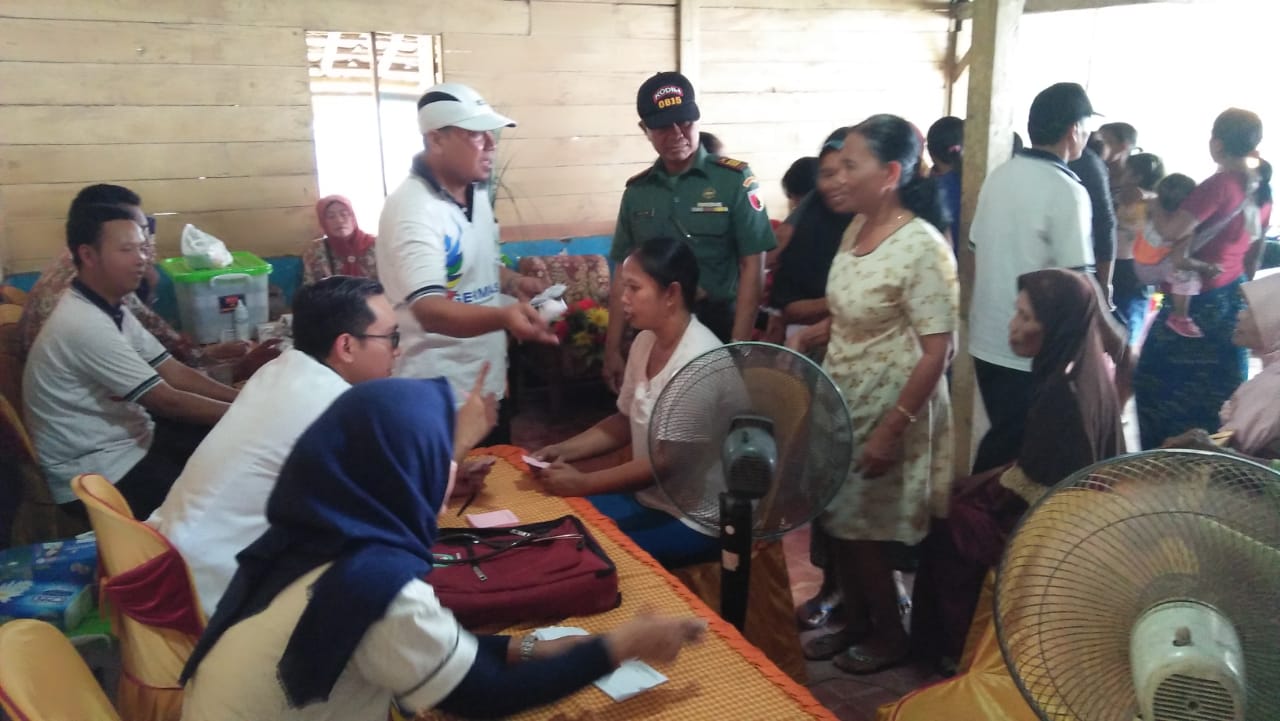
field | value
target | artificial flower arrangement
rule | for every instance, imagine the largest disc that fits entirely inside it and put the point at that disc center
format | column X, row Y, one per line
column 582, row 330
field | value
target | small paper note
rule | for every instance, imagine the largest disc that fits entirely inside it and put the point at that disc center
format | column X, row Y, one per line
column 631, row 678
column 551, row 633
column 492, row 518
column 534, row 462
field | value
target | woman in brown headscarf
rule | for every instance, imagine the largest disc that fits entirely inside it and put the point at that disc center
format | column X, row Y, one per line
column 344, row 249
column 1073, row 422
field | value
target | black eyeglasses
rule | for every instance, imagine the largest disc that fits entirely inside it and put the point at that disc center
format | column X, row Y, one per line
column 393, row 336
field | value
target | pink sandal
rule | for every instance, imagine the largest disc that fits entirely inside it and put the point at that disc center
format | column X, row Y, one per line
column 1184, row 326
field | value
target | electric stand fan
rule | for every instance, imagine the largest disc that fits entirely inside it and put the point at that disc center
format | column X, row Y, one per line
column 749, row 440
column 1148, row 587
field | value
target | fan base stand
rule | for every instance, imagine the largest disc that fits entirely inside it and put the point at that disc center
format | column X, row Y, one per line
column 735, row 557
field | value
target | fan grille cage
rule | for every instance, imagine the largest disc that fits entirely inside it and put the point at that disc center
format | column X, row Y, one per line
column 1183, row 698
column 811, row 428
column 1120, row 537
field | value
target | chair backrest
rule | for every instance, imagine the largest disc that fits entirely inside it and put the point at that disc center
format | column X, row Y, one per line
column 11, row 354
column 43, row 678
column 785, row 398
column 585, row 276
column 13, row 295
column 14, row 440
column 34, row 517
column 152, row 657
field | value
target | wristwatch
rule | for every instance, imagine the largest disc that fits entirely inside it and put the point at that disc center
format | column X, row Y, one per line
column 526, row 647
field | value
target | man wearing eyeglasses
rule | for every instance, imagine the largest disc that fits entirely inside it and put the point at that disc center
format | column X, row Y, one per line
column 711, row 202
column 345, row 332
column 439, row 258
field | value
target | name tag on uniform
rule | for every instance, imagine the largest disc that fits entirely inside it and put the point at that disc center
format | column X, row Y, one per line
column 711, row 207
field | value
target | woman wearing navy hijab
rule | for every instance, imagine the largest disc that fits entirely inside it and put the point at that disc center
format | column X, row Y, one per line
column 329, row 615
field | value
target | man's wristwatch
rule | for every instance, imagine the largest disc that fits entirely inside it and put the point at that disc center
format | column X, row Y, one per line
column 526, row 647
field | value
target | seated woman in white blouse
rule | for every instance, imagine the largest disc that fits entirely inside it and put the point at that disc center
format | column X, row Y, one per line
column 659, row 281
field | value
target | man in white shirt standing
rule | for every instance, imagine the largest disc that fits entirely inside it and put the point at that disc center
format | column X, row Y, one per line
column 438, row 253
column 95, row 377
column 344, row 333
column 1033, row 213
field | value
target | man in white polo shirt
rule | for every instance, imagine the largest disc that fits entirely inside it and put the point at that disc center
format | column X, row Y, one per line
column 1033, row 213
column 438, row 252
column 344, row 332
column 94, row 376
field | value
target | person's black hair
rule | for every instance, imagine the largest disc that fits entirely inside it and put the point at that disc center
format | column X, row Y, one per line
column 1239, row 131
column 1173, row 189
column 801, row 178
column 894, row 140
column 834, row 142
column 1095, row 143
column 1262, row 195
column 1124, row 133
column 327, row 308
column 104, row 194
column 84, row 225
column 710, row 143
column 1018, row 145
column 669, row 260
column 945, row 141
column 1148, row 168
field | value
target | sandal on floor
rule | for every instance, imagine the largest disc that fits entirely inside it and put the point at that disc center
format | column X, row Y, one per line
column 819, row 611
column 829, row 645
column 866, row 659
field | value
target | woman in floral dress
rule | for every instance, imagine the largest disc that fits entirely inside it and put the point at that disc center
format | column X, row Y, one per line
column 894, row 301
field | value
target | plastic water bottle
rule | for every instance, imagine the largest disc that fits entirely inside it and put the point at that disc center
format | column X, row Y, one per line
column 240, row 319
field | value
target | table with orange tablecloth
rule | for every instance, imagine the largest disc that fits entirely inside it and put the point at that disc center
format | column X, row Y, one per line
column 723, row 677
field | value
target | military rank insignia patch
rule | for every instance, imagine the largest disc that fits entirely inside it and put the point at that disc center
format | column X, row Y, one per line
column 730, row 163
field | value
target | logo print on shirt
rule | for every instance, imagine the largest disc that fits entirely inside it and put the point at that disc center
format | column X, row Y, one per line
column 453, row 259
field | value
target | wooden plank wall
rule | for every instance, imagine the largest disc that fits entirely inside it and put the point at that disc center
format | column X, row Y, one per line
column 777, row 76
column 203, row 106
column 571, row 85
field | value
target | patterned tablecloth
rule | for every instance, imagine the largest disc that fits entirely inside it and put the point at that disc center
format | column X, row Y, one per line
column 723, row 677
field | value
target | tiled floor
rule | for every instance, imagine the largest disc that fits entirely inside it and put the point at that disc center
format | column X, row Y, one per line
column 851, row 698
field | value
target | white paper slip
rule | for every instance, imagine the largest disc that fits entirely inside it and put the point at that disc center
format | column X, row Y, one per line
column 553, row 292
column 534, row 462
column 631, row 678
column 551, row 633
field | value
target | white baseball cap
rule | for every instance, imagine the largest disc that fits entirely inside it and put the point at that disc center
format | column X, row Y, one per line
column 456, row 105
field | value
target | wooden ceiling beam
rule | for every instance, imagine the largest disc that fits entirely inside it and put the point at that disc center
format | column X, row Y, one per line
column 964, row 10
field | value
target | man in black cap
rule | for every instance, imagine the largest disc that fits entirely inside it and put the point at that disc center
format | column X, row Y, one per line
column 713, row 203
column 1033, row 213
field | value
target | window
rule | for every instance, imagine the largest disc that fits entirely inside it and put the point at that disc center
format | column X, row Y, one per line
column 364, row 93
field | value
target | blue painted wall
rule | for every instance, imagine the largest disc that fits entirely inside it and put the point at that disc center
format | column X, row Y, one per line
column 286, row 270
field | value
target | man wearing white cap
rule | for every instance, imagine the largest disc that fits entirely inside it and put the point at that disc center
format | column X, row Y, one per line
column 438, row 254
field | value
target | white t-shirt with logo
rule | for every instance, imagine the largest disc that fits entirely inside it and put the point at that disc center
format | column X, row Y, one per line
column 218, row 506
column 428, row 246
column 415, row 655
column 80, row 389
column 639, row 394
column 1032, row 214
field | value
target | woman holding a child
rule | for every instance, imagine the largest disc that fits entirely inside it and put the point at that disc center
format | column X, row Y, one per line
column 1182, row 381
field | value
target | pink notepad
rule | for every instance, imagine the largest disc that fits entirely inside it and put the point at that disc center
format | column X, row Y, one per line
column 492, row 519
